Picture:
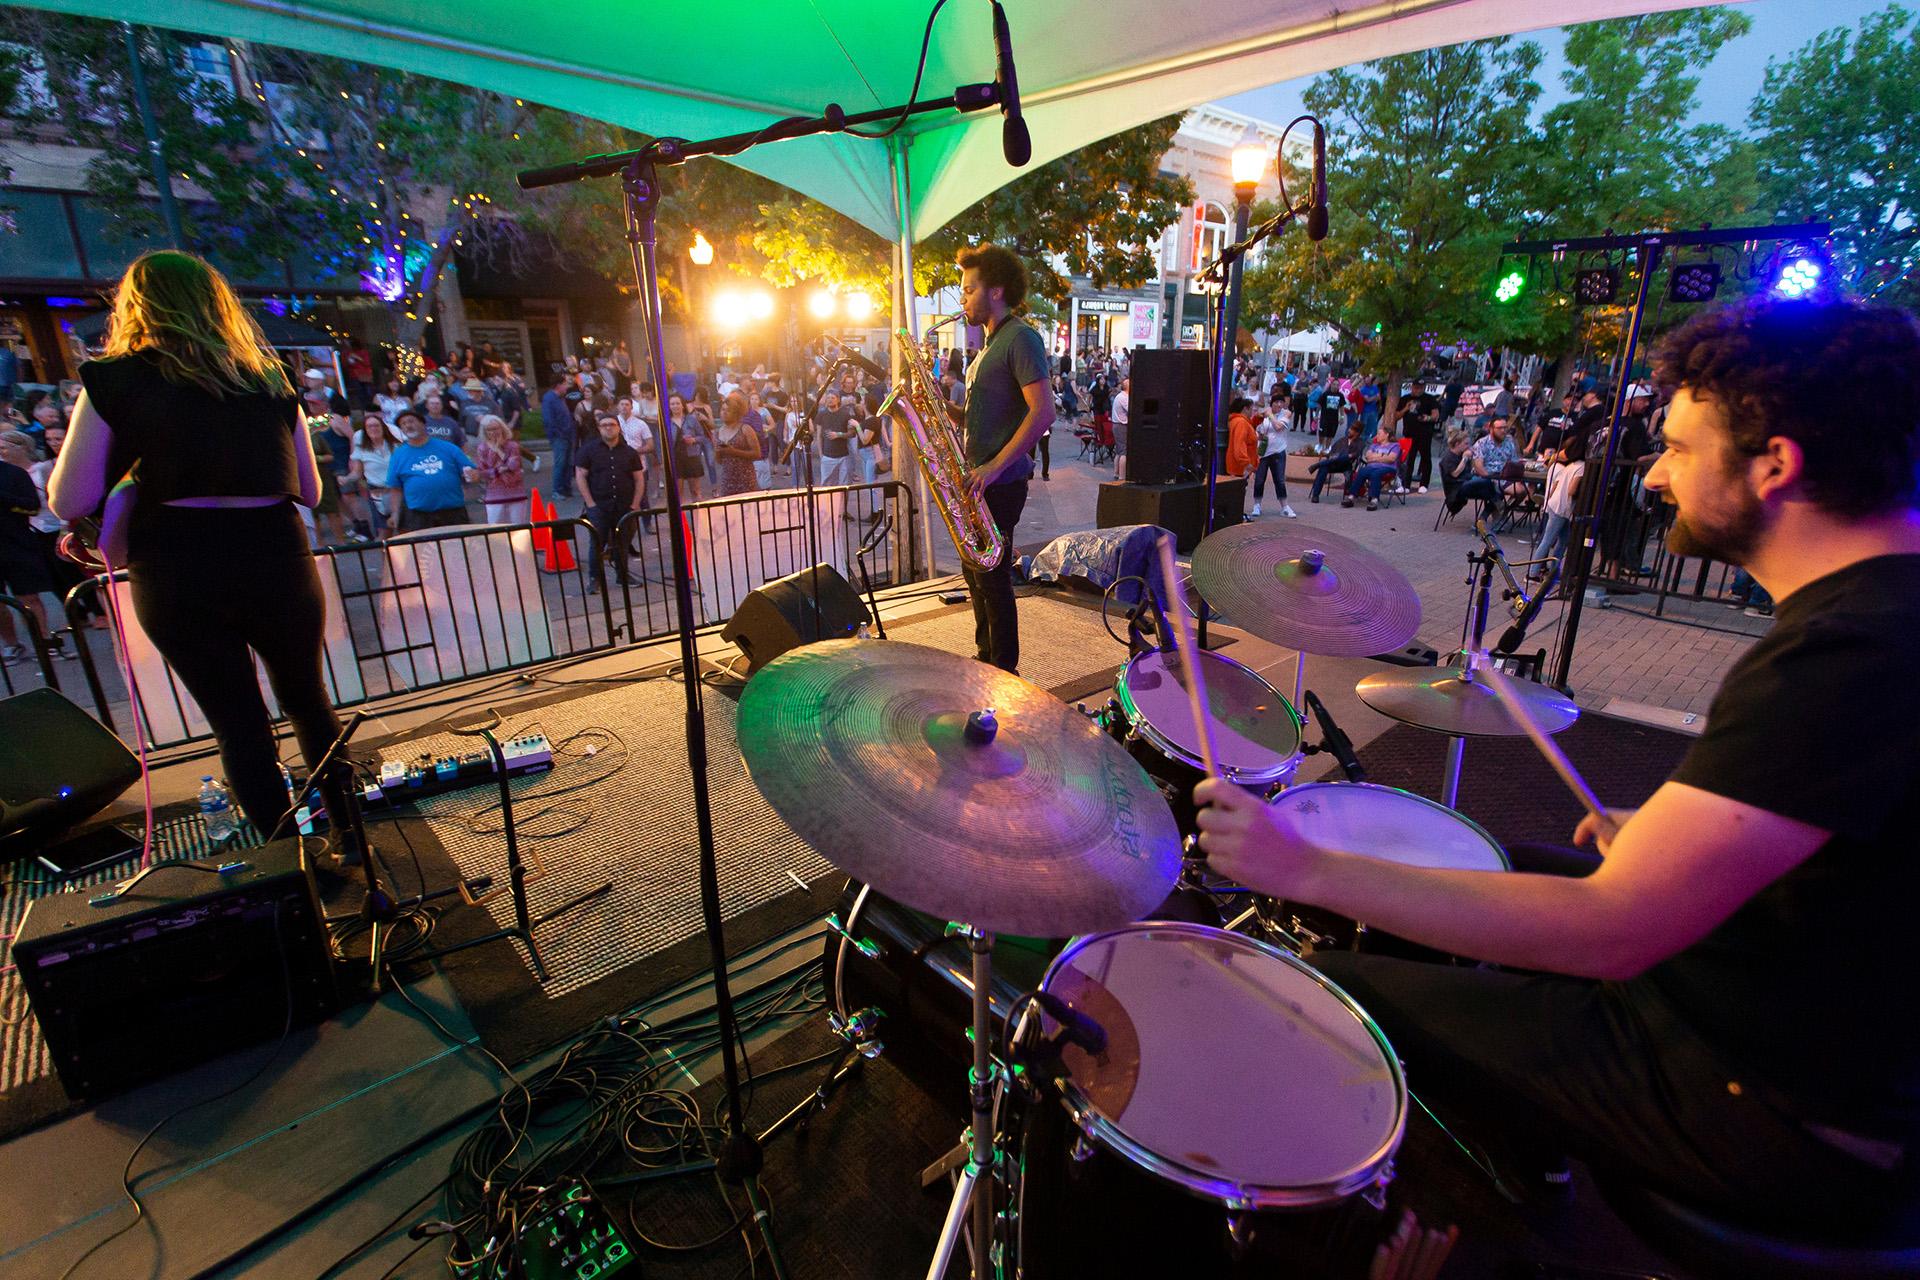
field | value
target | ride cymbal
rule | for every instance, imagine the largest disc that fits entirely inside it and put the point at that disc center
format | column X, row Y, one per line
column 1438, row 698
column 880, row 755
column 1306, row 589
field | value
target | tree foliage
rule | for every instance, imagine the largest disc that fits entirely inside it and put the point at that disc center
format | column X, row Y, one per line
column 1837, row 133
column 1421, row 148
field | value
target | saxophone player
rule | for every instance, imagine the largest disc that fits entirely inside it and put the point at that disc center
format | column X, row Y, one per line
column 1009, row 406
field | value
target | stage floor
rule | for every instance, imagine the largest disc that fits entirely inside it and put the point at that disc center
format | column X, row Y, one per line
column 352, row 1125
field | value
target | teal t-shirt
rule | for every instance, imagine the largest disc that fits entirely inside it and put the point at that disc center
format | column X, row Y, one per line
column 1015, row 356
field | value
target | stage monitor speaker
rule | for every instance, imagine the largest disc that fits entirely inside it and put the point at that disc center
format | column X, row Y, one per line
column 1178, row 508
column 187, row 966
column 1168, row 405
column 784, row 614
column 58, row 767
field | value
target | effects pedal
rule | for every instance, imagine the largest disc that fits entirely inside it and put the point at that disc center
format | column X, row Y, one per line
column 404, row 781
column 574, row 1238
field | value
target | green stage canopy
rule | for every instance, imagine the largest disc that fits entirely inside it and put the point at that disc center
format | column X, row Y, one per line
column 696, row 70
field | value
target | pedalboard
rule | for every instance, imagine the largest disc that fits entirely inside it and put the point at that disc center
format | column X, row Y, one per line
column 574, row 1238
column 405, row 781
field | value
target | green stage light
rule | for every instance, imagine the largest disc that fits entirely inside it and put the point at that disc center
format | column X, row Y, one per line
column 1511, row 286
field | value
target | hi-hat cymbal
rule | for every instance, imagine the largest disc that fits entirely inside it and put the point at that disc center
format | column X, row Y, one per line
column 1042, row 825
column 1306, row 589
column 1438, row 698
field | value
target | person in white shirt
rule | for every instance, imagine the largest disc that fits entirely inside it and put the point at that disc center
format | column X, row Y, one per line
column 1563, row 477
column 1119, row 411
column 1272, row 431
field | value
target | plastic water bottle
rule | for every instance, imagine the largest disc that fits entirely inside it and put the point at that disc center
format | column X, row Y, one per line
column 216, row 810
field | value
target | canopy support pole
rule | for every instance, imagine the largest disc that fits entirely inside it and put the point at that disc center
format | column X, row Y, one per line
column 903, row 318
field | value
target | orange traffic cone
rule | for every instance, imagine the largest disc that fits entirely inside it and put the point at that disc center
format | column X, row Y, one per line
column 556, row 555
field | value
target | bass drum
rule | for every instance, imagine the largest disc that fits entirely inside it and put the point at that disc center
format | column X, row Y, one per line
column 1256, row 729
column 1380, row 822
column 1242, row 1119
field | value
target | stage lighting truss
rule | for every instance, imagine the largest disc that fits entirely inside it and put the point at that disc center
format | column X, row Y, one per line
column 1694, row 281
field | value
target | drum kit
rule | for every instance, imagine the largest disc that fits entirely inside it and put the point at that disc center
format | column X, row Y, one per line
column 1029, row 871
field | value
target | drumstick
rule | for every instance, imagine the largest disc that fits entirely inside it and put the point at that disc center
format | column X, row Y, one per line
column 1496, row 680
column 1189, row 658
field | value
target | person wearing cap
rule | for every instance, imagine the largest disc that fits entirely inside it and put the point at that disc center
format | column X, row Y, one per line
column 425, row 475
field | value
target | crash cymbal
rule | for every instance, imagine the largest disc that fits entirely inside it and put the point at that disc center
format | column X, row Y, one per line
column 1438, row 698
column 1306, row 589
column 1040, row 824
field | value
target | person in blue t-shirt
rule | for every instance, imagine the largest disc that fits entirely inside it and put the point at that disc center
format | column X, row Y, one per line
column 425, row 475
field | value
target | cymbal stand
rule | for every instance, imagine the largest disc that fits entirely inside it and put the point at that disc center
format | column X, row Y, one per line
column 1473, row 632
column 971, row 1212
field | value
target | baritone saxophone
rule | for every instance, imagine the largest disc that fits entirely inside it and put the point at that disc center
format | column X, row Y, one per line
column 919, row 408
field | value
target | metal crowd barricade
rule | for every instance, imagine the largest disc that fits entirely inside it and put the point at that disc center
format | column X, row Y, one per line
column 37, row 644
column 441, row 606
column 738, row 543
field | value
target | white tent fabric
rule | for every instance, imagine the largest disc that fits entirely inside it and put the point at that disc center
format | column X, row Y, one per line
column 1086, row 70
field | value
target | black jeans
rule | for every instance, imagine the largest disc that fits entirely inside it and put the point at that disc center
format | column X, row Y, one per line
column 1325, row 468
column 1275, row 463
column 1545, row 1062
column 1423, row 450
column 996, row 624
column 1046, row 456
column 210, row 584
column 602, row 517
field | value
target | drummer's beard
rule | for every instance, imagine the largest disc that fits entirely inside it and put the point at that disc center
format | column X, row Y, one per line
column 1727, row 529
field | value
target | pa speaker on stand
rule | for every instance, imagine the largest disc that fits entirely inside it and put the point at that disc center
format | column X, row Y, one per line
column 1169, row 399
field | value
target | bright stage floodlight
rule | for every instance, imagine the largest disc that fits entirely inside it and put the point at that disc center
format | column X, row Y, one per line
column 760, row 304
column 1798, row 278
column 1693, row 282
column 1511, row 286
column 821, row 304
column 1596, row 286
column 730, row 309
column 859, row 307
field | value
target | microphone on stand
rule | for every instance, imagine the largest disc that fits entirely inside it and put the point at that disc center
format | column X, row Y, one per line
column 1317, row 215
column 1015, row 142
column 1075, row 1026
column 1510, row 638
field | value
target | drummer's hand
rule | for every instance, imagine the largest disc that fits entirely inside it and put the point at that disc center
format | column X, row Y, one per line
column 1243, row 841
column 1590, row 832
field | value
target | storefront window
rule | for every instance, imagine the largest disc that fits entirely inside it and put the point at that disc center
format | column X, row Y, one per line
column 40, row 247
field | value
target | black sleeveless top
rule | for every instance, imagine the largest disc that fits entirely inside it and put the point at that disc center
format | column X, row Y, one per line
column 181, row 441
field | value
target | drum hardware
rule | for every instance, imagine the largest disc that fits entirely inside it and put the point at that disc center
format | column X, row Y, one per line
column 1455, row 699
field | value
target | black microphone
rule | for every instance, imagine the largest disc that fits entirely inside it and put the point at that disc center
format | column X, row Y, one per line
column 1317, row 215
column 1334, row 740
column 1076, row 1026
column 854, row 357
column 1015, row 142
column 1510, row 638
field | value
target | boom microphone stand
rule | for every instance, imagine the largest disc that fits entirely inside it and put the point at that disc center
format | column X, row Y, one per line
column 740, row 1157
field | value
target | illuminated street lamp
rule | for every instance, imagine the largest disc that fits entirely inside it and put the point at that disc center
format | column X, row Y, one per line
column 701, row 250
column 1249, row 166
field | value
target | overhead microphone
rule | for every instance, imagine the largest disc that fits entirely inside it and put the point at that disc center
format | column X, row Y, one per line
column 1317, row 215
column 1015, row 142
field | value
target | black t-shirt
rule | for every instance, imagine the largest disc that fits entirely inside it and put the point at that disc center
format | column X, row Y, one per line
column 1810, row 982
column 182, row 441
column 1422, row 415
column 828, row 425
column 19, row 503
column 610, row 471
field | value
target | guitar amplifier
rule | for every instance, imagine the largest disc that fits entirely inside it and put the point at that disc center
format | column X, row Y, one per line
column 185, row 966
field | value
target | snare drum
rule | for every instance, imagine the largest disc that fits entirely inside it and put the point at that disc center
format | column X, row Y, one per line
column 1243, row 1108
column 1255, row 729
column 1380, row 822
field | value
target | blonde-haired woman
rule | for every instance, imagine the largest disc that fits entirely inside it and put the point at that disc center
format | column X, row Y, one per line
column 502, row 468
column 191, row 404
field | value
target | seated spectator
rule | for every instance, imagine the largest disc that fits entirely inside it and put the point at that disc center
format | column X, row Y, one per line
column 1488, row 458
column 1380, row 463
column 1345, row 456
